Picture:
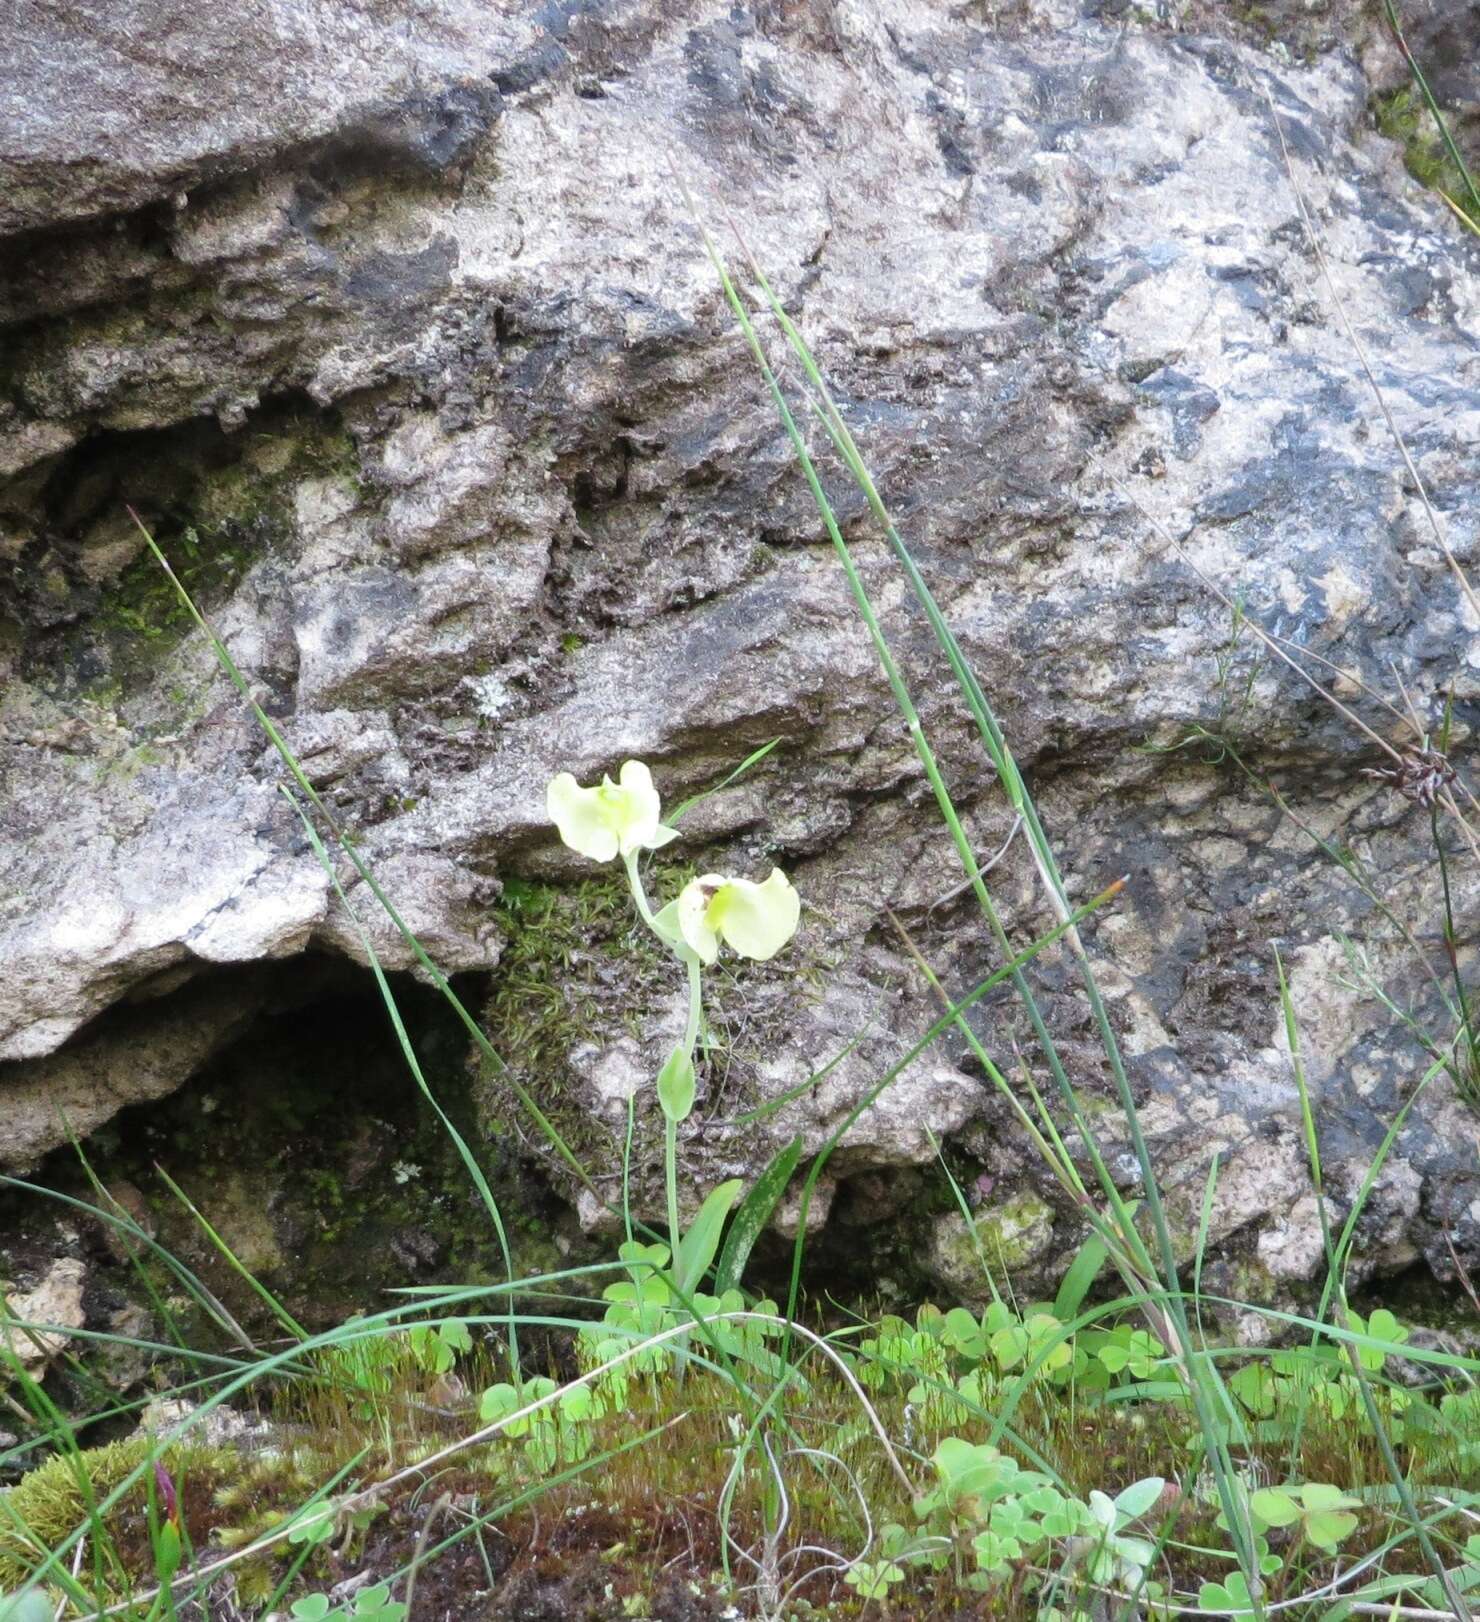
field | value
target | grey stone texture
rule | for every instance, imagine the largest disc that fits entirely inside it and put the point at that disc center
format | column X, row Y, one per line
column 390, row 321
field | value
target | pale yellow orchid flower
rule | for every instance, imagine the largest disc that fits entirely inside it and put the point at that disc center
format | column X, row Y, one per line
column 612, row 819
column 756, row 920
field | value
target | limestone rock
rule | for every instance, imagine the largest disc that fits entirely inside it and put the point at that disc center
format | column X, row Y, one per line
column 399, row 337
column 55, row 1302
column 1011, row 1238
column 140, row 1053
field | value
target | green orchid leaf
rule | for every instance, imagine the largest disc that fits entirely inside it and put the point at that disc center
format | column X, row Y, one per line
column 665, row 925
column 697, row 1247
column 1083, row 1271
column 1132, row 1502
column 676, row 1085
column 753, row 1215
column 31, row 1607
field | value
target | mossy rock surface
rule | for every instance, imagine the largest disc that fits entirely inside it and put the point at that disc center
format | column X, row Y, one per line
column 1404, row 116
column 584, row 1006
column 58, row 1497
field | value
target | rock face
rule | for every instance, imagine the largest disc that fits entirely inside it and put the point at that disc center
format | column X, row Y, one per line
column 391, row 324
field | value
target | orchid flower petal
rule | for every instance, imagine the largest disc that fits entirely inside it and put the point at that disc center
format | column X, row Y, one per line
column 612, row 819
column 755, row 920
column 693, row 915
column 579, row 816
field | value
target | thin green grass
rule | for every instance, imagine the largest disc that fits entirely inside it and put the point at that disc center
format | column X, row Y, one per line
column 1467, row 206
column 1160, row 1294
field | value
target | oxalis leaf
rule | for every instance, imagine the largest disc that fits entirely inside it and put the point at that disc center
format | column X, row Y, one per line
column 315, row 1524
column 1323, row 1511
column 1232, row 1594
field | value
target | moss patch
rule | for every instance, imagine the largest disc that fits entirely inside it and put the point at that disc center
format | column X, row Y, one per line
column 1404, row 117
column 51, row 1502
column 143, row 605
column 577, row 966
column 232, row 505
column 566, row 946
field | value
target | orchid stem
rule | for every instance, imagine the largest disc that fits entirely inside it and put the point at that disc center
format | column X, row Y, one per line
column 639, row 895
column 670, row 1126
column 696, row 1005
column 670, row 1169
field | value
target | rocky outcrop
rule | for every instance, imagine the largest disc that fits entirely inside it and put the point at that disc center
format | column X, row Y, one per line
column 396, row 332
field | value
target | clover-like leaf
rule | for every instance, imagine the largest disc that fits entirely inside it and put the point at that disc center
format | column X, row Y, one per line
column 314, row 1523
column 1061, row 1518
column 578, row 1404
column 1231, row 1595
column 1134, row 1350
column 996, row 1551
column 1328, row 1528
column 1009, row 1345
column 375, row 1605
column 1382, row 1325
column 874, row 1578
column 973, row 1476
column 633, row 1251
column 1276, row 1506
column 497, row 1401
column 1256, row 1387
column 1323, row 1512
column 1328, row 1514
column 964, row 1335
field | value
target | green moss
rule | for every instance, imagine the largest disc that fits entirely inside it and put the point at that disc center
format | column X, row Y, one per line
column 228, row 516
column 563, row 942
column 50, row 1503
column 1015, row 1232
column 1404, row 117
column 142, row 602
column 577, row 966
